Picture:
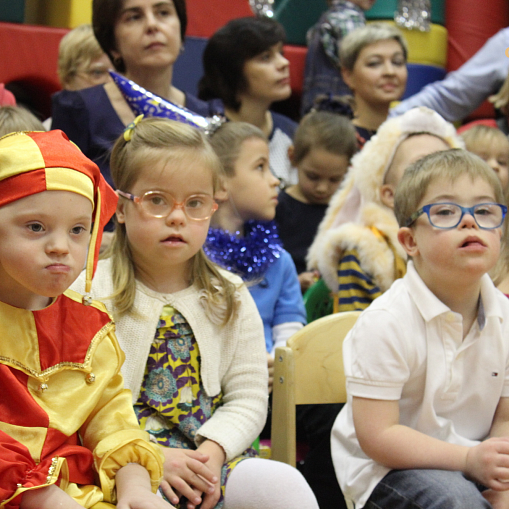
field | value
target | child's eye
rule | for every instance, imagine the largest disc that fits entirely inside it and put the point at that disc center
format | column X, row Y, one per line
column 76, row 230
column 35, row 227
column 484, row 210
column 195, row 203
column 444, row 210
column 157, row 200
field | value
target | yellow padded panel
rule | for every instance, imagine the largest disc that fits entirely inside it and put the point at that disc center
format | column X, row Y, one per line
column 427, row 48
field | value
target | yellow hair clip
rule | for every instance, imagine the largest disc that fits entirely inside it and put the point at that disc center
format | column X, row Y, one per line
column 128, row 131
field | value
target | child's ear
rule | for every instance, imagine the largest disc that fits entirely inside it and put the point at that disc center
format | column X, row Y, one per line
column 387, row 195
column 406, row 238
column 291, row 153
column 221, row 194
column 120, row 213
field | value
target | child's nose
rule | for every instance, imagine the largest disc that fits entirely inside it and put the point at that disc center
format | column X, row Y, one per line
column 274, row 181
column 468, row 220
column 57, row 244
column 177, row 215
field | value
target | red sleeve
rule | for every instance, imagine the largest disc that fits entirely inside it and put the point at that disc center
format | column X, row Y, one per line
column 18, row 468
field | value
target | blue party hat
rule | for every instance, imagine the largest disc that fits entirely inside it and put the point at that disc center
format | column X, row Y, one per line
column 143, row 102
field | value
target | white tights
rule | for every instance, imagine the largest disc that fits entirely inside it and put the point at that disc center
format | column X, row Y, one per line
column 256, row 483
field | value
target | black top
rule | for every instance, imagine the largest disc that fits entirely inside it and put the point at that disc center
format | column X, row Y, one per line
column 298, row 223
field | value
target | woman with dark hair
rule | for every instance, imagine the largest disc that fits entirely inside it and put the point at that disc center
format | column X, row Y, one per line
column 143, row 39
column 244, row 67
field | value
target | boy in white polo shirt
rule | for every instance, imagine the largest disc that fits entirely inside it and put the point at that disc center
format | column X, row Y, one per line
column 427, row 419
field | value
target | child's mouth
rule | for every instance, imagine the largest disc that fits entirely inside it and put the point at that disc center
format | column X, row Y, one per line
column 174, row 239
column 472, row 242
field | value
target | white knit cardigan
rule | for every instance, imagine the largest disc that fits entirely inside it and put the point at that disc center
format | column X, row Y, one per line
column 233, row 358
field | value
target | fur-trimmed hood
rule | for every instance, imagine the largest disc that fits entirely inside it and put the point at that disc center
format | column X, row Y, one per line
column 356, row 206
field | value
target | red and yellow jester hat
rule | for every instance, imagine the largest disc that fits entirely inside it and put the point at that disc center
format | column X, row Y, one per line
column 33, row 162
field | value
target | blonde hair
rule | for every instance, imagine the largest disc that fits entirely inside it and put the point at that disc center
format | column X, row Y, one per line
column 16, row 118
column 361, row 37
column 228, row 139
column 151, row 140
column 449, row 165
column 77, row 49
column 480, row 138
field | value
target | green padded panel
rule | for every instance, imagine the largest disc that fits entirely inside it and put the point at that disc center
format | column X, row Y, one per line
column 12, row 11
column 384, row 9
column 297, row 16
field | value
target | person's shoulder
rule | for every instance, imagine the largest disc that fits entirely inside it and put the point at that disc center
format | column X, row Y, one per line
column 204, row 108
column 284, row 123
column 79, row 97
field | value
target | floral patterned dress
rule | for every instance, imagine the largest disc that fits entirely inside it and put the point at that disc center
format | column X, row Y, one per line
column 173, row 405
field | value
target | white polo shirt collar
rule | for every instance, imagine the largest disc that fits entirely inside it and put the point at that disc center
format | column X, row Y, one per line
column 431, row 307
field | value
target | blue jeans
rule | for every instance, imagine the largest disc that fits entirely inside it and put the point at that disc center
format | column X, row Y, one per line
column 426, row 489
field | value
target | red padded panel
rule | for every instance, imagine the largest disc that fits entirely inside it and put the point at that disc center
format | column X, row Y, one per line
column 29, row 55
column 206, row 16
column 297, row 57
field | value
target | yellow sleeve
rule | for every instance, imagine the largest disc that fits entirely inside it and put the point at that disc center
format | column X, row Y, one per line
column 112, row 431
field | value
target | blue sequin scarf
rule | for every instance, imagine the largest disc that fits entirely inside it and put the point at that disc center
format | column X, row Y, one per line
column 248, row 256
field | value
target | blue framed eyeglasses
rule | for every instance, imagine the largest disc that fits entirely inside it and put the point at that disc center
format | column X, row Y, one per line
column 449, row 215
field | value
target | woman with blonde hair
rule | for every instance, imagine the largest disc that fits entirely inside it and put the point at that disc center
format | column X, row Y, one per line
column 373, row 65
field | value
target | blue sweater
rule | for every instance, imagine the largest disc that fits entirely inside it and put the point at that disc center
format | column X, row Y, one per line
column 278, row 296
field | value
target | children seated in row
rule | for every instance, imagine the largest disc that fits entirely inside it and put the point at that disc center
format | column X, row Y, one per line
column 322, row 148
column 68, row 434
column 193, row 339
column 426, row 423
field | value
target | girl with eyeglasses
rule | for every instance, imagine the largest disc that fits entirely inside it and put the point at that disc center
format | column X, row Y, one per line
column 191, row 333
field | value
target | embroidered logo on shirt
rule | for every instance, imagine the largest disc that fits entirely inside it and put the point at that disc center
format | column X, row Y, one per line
column 494, row 373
